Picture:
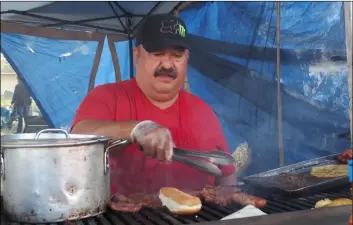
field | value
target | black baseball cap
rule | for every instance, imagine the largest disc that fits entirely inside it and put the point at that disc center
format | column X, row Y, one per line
column 161, row 31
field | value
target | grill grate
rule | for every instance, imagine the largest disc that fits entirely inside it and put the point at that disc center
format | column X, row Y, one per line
column 288, row 204
column 209, row 212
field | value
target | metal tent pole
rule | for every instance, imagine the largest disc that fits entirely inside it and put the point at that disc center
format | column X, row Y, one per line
column 348, row 11
column 129, row 24
column 131, row 57
column 279, row 97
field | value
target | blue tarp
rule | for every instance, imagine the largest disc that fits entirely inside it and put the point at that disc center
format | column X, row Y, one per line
column 239, row 80
column 232, row 67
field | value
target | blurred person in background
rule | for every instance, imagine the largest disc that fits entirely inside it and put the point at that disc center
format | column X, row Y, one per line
column 21, row 102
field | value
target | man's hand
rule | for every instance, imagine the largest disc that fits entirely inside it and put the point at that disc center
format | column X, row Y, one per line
column 155, row 140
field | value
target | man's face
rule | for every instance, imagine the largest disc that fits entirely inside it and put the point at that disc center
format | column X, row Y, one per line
column 160, row 75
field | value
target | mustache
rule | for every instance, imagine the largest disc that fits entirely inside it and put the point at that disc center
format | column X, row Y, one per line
column 163, row 72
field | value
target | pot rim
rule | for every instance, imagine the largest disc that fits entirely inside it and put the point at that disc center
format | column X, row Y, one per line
column 45, row 139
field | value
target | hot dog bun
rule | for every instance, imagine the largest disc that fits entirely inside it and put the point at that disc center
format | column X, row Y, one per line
column 322, row 203
column 339, row 202
column 179, row 202
column 333, row 203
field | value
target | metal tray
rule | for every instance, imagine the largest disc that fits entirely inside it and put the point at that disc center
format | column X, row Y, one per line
column 296, row 178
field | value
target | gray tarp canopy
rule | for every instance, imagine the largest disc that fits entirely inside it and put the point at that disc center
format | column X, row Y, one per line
column 117, row 17
column 105, row 17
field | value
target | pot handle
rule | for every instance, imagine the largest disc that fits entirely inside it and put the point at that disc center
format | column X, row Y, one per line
column 106, row 153
column 51, row 130
column 2, row 166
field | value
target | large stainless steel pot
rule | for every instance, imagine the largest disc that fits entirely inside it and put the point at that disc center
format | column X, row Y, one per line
column 51, row 177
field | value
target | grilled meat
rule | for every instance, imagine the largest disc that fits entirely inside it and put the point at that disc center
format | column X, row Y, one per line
column 218, row 195
column 345, row 156
column 227, row 195
column 245, row 199
column 150, row 200
column 290, row 181
column 134, row 202
column 123, row 203
column 213, row 194
column 122, row 198
column 125, row 207
column 293, row 181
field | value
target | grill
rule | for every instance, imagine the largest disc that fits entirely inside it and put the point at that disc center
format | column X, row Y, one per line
column 209, row 212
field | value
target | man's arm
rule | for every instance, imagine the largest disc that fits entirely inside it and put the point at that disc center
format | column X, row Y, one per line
column 96, row 115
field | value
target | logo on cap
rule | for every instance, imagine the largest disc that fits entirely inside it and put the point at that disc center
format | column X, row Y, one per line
column 182, row 31
column 173, row 27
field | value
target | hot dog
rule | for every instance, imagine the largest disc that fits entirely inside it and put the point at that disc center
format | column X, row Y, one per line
column 345, row 156
column 245, row 199
column 226, row 195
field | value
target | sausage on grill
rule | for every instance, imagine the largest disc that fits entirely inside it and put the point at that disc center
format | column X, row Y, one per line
column 345, row 156
column 226, row 195
column 239, row 198
column 245, row 199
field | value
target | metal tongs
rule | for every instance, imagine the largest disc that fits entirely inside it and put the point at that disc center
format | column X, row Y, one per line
column 213, row 158
column 209, row 166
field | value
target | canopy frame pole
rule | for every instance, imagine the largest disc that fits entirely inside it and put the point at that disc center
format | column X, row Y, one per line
column 279, row 97
column 180, row 7
column 147, row 15
column 131, row 57
column 77, row 22
column 129, row 25
column 23, row 13
column 348, row 11
column 115, row 58
column 95, row 65
column 117, row 16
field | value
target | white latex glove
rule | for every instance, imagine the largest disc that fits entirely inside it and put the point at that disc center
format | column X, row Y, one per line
column 155, row 140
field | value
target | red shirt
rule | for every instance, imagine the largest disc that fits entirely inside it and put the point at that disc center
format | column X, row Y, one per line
column 192, row 123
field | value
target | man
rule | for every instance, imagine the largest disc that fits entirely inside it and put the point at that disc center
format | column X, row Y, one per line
column 153, row 112
column 21, row 102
